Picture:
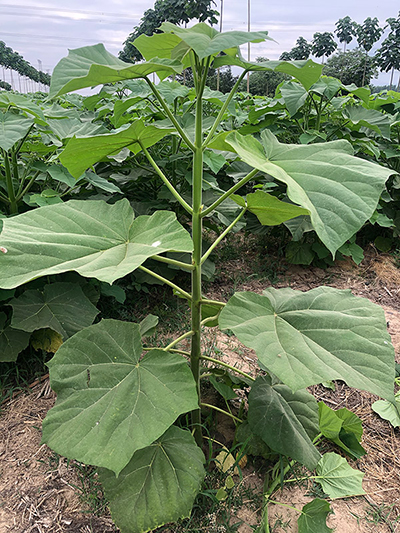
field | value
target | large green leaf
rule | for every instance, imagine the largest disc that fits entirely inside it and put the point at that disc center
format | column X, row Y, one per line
column 112, row 402
column 269, row 210
column 340, row 191
column 12, row 341
column 9, row 100
column 12, row 129
column 313, row 517
column 83, row 152
column 91, row 237
column 294, row 96
column 159, row 484
column 306, row 338
column 369, row 118
column 286, row 421
column 206, row 41
column 93, row 65
column 68, row 127
column 307, row 72
column 63, row 307
column 337, row 478
column 157, row 45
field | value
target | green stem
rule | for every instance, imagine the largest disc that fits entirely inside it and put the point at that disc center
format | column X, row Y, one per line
column 165, row 179
column 169, row 261
column 223, row 109
column 233, row 189
column 21, row 142
column 10, row 185
column 221, row 411
column 166, row 281
column 179, row 339
column 223, row 234
column 21, row 192
column 182, row 352
column 205, row 321
column 286, row 505
column 170, row 115
column 196, row 261
column 226, row 365
column 204, row 301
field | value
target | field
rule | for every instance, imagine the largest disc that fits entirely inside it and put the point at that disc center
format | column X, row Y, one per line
column 208, row 271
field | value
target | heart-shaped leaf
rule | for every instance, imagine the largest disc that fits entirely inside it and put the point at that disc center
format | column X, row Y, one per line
column 307, row 72
column 269, row 210
column 342, row 427
column 110, row 401
column 13, row 128
column 158, row 485
column 286, row 421
column 12, row 341
column 206, row 41
column 313, row 517
column 63, row 307
column 83, row 152
column 339, row 190
column 337, row 478
column 91, row 237
column 311, row 337
column 93, row 65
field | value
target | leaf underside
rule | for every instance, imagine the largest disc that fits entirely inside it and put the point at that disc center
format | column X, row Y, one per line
column 91, row 237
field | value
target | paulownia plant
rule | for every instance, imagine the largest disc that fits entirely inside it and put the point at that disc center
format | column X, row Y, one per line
column 117, row 402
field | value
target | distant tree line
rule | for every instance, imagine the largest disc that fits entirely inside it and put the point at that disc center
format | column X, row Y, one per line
column 15, row 62
column 355, row 66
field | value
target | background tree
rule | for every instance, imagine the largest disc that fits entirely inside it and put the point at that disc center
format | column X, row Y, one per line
column 263, row 83
column 302, row 50
column 345, row 31
column 351, row 67
column 323, row 45
column 6, row 86
column 285, row 56
column 368, row 33
column 175, row 11
column 388, row 55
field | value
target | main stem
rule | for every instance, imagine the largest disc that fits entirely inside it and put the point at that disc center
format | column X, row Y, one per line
column 196, row 260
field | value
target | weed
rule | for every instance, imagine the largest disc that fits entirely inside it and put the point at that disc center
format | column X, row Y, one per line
column 377, row 514
column 89, row 489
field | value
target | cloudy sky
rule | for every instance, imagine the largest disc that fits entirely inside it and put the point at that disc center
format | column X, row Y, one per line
column 44, row 30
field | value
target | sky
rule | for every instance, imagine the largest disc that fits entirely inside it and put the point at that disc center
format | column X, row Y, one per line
column 42, row 31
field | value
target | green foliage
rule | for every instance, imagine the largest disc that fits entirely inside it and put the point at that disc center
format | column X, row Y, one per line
column 121, row 406
column 345, row 28
column 323, row 44
column 170, row 11
column 14, row 61
column 313, row 517
column 349, row 67
column 263, row 83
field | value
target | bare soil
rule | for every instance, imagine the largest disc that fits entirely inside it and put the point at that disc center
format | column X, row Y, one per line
column 41, row 492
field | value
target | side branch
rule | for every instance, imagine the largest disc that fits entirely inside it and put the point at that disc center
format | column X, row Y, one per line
column 226, row 195
column 166, row 281
column 165, row 179
column 180, row 264
column 223, row 234
column 170, row 115
column 222, row 110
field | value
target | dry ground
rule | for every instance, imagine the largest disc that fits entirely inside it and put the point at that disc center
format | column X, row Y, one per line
column 38, row 491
